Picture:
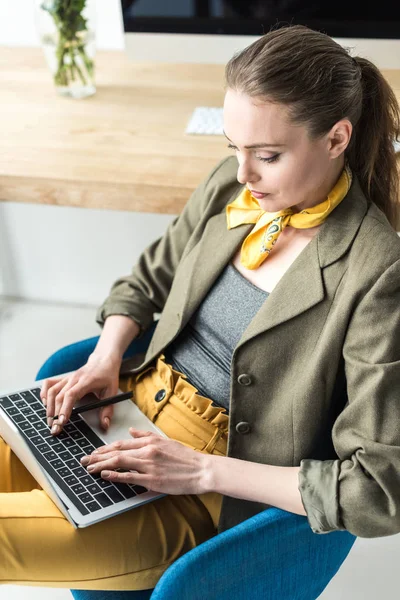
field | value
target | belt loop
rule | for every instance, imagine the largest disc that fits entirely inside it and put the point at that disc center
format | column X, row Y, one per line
column 213, row 441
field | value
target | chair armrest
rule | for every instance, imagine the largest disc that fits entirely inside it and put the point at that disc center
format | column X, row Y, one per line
column 273, row 555
column 72, row 357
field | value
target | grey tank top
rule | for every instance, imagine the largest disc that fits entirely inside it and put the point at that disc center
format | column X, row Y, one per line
column 203, row 350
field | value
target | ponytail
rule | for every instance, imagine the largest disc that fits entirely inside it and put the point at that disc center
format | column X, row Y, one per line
column 371, row 152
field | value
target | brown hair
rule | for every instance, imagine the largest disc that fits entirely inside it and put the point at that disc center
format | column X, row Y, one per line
column 321, row 83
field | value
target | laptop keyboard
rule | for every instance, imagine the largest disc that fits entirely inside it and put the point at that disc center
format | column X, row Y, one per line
column 60, row 455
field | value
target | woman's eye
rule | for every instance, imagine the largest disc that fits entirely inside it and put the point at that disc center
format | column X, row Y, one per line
column 269, row 160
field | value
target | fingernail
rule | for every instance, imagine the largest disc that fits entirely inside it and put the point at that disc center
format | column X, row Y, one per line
column 85, row 460
column 106, row 422
column 105, row 473
column 49, row 421
column 61, row 420
column 55, row 428
column 44, row 401
column 90, row 467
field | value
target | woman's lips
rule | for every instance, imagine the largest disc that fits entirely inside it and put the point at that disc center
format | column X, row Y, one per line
column 258, row 195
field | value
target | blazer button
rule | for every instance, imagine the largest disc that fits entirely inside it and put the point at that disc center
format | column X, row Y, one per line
column 243, row 427
column 244, row 379
column 160, row 395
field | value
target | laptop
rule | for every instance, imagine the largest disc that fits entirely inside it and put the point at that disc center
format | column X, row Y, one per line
column 54, row 461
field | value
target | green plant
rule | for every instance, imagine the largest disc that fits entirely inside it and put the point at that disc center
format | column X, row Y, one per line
column 72, row 59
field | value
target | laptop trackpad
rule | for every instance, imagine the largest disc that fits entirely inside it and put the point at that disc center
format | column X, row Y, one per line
column 126, row 414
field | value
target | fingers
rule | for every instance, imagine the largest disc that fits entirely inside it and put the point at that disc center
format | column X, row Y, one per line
column 112, row 461
column 46, row 385
column 106, row 414
column 48, row 395
column 125, row 444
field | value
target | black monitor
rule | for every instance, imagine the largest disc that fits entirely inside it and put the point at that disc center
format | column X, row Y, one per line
column 177, row 29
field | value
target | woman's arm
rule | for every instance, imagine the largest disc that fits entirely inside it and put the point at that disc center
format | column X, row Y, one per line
column 118, row 332
column 277, row 486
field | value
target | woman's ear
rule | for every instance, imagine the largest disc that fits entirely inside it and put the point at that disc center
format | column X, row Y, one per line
column 339, row 137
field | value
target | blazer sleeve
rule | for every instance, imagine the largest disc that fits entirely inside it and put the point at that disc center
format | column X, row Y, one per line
column 145, row 290
column 360, row 492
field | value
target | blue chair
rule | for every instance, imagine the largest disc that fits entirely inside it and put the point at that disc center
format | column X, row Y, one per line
column 274, row 555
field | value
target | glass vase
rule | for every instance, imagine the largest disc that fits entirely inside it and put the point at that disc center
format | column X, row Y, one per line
column 67, row 34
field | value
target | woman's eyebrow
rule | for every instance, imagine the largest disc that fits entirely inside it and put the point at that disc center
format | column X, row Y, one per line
column 252, row 146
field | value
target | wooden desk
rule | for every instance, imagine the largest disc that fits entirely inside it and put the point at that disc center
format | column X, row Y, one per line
column 123, row 148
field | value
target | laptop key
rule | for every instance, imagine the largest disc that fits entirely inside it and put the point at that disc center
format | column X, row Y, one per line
column 36, row 406
column 30, row 433
column 85, row 497
column 114, row 494
column 20, row 419
column 57, row 464
column 20, row 404
column 43, row 447
column 75, row 450
column 64, row 472
column 50, row 455
column 58, row 448
column 75, row 434
column 15, row 397
column 88, row 450
column 71, row 480
column 80, row 472
column 68, row 443
column 65, row 455
column 103, row 500
column 93, row 488
column 125, row 490
column 53, row 441
column 37, row 439
column 27, row 395
column 72, row 463
column 102, row 483
column 93, row 506
column 25, row 425
column 40, row 425
column 139, row 489
column 77, row 488
column 33, row 418
column 27, row 411
column 12, row 411
column 86, row 480
column 69, row 428
column 82, row 442
column 6, row 403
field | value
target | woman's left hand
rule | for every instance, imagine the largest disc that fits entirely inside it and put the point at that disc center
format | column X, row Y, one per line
column 163, row 465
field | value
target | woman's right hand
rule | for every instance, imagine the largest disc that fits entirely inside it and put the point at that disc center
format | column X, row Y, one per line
column 100, row 375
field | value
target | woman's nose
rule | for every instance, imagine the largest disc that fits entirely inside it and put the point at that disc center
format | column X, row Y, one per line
column 245, row 173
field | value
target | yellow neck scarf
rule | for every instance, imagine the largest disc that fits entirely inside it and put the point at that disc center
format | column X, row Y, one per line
column 269, row 225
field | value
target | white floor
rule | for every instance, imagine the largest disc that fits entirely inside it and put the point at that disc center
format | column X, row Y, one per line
column 31, row 331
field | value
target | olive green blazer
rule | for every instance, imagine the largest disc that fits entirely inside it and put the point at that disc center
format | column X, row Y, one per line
column 322, row 354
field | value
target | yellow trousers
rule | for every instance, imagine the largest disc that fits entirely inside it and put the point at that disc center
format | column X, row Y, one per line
column 131, row 551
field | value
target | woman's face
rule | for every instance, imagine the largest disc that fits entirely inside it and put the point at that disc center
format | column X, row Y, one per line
column 278, row 158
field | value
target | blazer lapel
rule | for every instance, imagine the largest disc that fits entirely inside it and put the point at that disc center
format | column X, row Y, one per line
column 299, row 289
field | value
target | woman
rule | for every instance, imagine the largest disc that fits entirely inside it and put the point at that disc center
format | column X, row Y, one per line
column 274, row 368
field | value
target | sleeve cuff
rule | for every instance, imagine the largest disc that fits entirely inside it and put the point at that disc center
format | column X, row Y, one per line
column 121, row 308
column 318, row 487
